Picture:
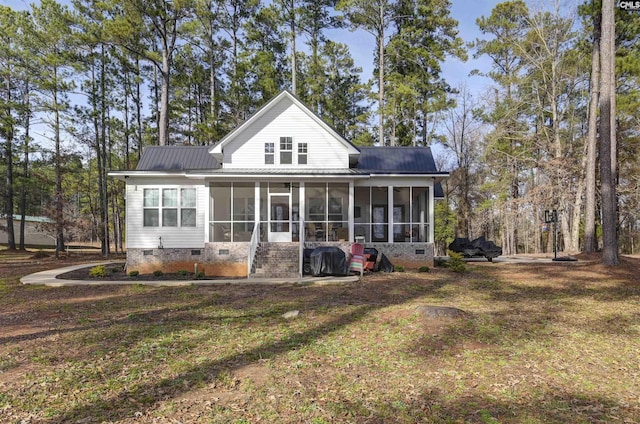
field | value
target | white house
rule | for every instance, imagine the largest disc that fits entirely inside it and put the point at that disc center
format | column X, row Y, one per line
column 282, row 181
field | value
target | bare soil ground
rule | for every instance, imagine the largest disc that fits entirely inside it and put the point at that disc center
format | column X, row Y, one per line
column 538, row 343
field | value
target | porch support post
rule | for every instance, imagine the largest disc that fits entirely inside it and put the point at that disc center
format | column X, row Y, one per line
column 256, row 206
column 430, row 208
column 350, row 211
column 207, row 212
column 302, row 232
column 390, row 214
column 301, row 212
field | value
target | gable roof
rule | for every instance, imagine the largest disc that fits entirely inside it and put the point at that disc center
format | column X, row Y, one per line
column 217, row 149
column 177, row 158
column 397, row 160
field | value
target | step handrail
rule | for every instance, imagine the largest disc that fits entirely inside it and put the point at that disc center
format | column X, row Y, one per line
column 253, row 247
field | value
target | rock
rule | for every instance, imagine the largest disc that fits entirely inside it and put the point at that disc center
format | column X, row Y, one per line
column 440, row 311
column 290, row 314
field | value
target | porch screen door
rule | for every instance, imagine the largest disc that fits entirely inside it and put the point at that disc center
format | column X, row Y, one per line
column 279, row 217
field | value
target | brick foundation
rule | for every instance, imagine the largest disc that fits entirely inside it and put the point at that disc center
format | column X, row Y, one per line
column 230, row 259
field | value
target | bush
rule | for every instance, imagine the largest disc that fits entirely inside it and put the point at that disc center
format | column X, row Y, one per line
column 456, row 264
column 200, row 275
column 440, row 262
column 424, row 269
column 98, row 271
column 183, row 272
column 398, row 268
column 157, row 273
column 134, row 273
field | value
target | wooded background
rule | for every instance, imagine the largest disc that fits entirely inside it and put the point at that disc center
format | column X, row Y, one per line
column 84, row 87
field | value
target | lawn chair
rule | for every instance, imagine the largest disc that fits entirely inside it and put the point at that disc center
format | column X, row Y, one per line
column 356, row 259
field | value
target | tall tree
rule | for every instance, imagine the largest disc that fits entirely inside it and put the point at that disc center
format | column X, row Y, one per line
column 373, row 17
column 425, row 35
column 590, row 241
column 316, row 16
column 53, row 25
column 607, row 135
column 507, row 25
column 462, row 139
column 8, row 109
column 152, row 30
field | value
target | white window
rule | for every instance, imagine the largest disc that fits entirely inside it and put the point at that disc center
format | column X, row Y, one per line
column 171, row 210
column 188, row 207
column 269, row 152
column 302, row 153
column 286, row 150
column 151, row 213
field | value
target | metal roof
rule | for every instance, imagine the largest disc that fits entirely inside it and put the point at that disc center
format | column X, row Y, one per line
column 283, row 171
column 176, row 158
column 397, row 160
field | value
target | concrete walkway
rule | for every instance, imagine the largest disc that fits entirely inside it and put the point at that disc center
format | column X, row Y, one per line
column 48, row 278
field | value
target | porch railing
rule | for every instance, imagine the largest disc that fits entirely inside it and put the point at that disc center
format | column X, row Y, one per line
column 253, row 247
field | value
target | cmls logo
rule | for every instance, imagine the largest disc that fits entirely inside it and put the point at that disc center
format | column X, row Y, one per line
column 629, row 5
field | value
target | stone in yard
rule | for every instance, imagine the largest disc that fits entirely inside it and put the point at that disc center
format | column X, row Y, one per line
column 440, row 311
column 290, row 314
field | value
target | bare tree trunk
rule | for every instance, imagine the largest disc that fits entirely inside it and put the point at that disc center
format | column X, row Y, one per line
column 11, row 238
column 607, row 135
column 58, row 199
column 25, row 165
column 590, row 243
column 381, row 77
column 163, row 123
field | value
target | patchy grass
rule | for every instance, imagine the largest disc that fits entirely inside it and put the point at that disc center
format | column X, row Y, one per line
column 546, row 343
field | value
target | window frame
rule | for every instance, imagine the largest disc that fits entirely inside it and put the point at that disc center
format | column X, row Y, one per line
column 303, row 152
column 269, row 153
column 162, row 205
column 286, row 148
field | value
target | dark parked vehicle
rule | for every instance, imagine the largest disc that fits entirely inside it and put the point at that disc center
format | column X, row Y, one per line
column 478, row 248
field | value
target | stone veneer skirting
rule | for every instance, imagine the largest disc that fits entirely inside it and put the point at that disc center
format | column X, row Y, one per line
column 215, row 259
column 230, row 259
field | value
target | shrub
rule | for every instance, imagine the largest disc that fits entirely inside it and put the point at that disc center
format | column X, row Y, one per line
column 423, row 269
column 40, row 255
column 157, row 273
column 183, row 272
column 98, row 271
column 398, row 268
column 134, row 273
column 200, row 275
column 440, row 262
column 456, row 264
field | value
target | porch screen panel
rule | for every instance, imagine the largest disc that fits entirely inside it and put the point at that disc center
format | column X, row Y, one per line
column 243, row 210
column 420, row 214
column 316, row 211
column 362, row 213
column 220, row 196
column 338, row 211
column 401, row 214
column 379, row 214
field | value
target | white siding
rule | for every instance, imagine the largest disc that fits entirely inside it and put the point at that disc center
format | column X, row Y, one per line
column 142, row 237
column 285, row 119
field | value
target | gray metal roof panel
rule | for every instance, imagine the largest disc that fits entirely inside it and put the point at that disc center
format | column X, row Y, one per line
column 284, row 171
column 409, row 160
column 176, row 158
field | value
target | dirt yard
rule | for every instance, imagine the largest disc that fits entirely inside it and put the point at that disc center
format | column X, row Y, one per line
column 541, row 343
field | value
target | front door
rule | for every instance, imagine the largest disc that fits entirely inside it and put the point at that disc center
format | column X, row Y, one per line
column 280, row 217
